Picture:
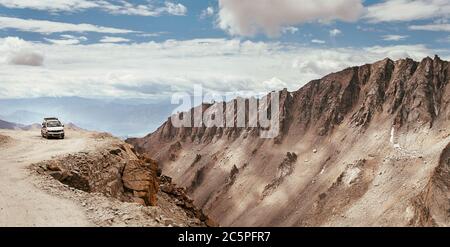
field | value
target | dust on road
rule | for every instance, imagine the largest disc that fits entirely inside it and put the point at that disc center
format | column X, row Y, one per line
column 21, row 203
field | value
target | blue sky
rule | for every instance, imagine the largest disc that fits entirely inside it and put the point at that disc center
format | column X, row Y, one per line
column 150, row 48
column 193, row 25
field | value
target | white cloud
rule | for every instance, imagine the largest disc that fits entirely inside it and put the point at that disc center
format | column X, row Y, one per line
column 394, row 37
column 126, row 8
column 208, row 12
column 151, row 34
column 145, row 10
column 248, row 17
column 130, row 9
column 26, row 58
column 109, row 39
column 47, row 27
column 274, row 84
column 335, row 32
column 149, row 69
column 50, row 5
column 121, row 7
column 67, row 39
column 289, row 29
column 318, row 41
column 407, row 10
column 367, row 29
column 19, row 52
column 63, row 41
column 68, row 36
column 416, row 52
column 175, row 8
column 437, row 27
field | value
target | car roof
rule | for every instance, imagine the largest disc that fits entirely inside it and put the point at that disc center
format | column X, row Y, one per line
column 51, row 119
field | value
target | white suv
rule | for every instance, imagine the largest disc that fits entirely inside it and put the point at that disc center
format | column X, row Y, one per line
column 52, row 127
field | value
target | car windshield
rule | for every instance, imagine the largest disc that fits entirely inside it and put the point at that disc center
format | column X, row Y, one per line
column 54, row 124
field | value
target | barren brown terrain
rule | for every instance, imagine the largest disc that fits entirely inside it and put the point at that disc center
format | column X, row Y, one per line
column 87, row 179
column 22, row 203
column 366, row 146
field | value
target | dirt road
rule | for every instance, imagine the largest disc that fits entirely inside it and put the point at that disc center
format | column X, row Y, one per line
column 21, row 203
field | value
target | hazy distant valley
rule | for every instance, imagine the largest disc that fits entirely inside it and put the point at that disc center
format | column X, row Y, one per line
column 122, row 118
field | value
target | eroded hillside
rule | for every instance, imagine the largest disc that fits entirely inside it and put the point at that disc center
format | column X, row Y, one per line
column 86, row 179
column 366, row 146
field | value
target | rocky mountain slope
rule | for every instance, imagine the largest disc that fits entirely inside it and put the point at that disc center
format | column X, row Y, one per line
column 366, row 146
column 125, row 184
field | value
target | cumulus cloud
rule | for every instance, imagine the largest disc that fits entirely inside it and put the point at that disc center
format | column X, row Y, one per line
column 24, row 57
column 19, row 52
column 248, row 17
column 121, row 7
column 175, row 8
column 208, row 12
column 47, row 27
column 407, row 10
column 142, row 69
column 394, row 37
column 109, row 39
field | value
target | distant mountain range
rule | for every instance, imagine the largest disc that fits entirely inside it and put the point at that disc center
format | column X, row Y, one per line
column 120, row 117
column 16, row 126
column 9, row 125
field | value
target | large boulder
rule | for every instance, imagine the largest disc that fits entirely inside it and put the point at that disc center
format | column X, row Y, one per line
column 140, row 176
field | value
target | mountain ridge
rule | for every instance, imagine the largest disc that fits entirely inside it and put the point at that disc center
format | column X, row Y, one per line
column 339, row 137
column 9, row 125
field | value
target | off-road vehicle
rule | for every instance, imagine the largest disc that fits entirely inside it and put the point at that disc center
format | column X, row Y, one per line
column 52, row 127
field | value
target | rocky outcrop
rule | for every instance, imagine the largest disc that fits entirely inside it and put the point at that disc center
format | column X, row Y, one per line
column 388, row 114
column 432, row 205
column 117, row 172
column 181, row 199
column 141, row 178
column 284, row 170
